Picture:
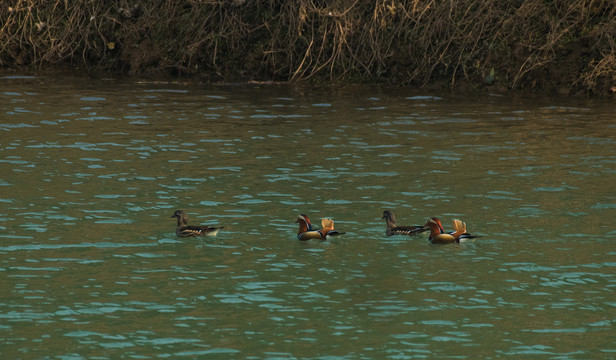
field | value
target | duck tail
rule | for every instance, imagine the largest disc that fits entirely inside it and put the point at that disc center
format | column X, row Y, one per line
column 214, row 231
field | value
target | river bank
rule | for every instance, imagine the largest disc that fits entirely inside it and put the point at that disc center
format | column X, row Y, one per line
column 565, row 47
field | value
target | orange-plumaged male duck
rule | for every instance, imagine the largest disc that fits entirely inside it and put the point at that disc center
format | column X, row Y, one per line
column 307, row 232
column 464, row 237
column 185, row 230
column 439, row 236
column 392, row 229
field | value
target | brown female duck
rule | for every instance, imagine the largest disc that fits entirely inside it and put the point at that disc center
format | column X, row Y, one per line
column 392, row 229
column 185, row 230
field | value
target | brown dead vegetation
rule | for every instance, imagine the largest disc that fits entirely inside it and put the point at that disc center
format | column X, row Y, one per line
column 566, row 46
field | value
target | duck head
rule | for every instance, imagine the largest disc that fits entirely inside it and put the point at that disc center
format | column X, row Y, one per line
column 389, row 217
column 181, row 216
column 387, row 214
column 438, row 223
column 434, row 226
column 304, row 223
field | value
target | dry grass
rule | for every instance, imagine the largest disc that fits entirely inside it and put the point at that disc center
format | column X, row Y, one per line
column 565, row 46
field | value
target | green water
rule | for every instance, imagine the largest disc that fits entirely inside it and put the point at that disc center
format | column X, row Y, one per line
column 90, row 267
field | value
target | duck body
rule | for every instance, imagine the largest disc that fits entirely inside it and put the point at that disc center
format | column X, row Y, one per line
column 392, row 229
column 185, row 230
column 308, row 232
column 439, row 236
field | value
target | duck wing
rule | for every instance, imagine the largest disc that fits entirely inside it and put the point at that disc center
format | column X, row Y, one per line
column 189, row 231
column 406, row 230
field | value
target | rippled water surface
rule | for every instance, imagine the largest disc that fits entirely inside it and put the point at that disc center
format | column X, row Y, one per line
column 90, row 267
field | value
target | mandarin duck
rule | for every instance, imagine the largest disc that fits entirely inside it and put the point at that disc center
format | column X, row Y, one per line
column 439, row 236
column 465, row 236
column 308, row 232
column 185, row 230
column 392, row 229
